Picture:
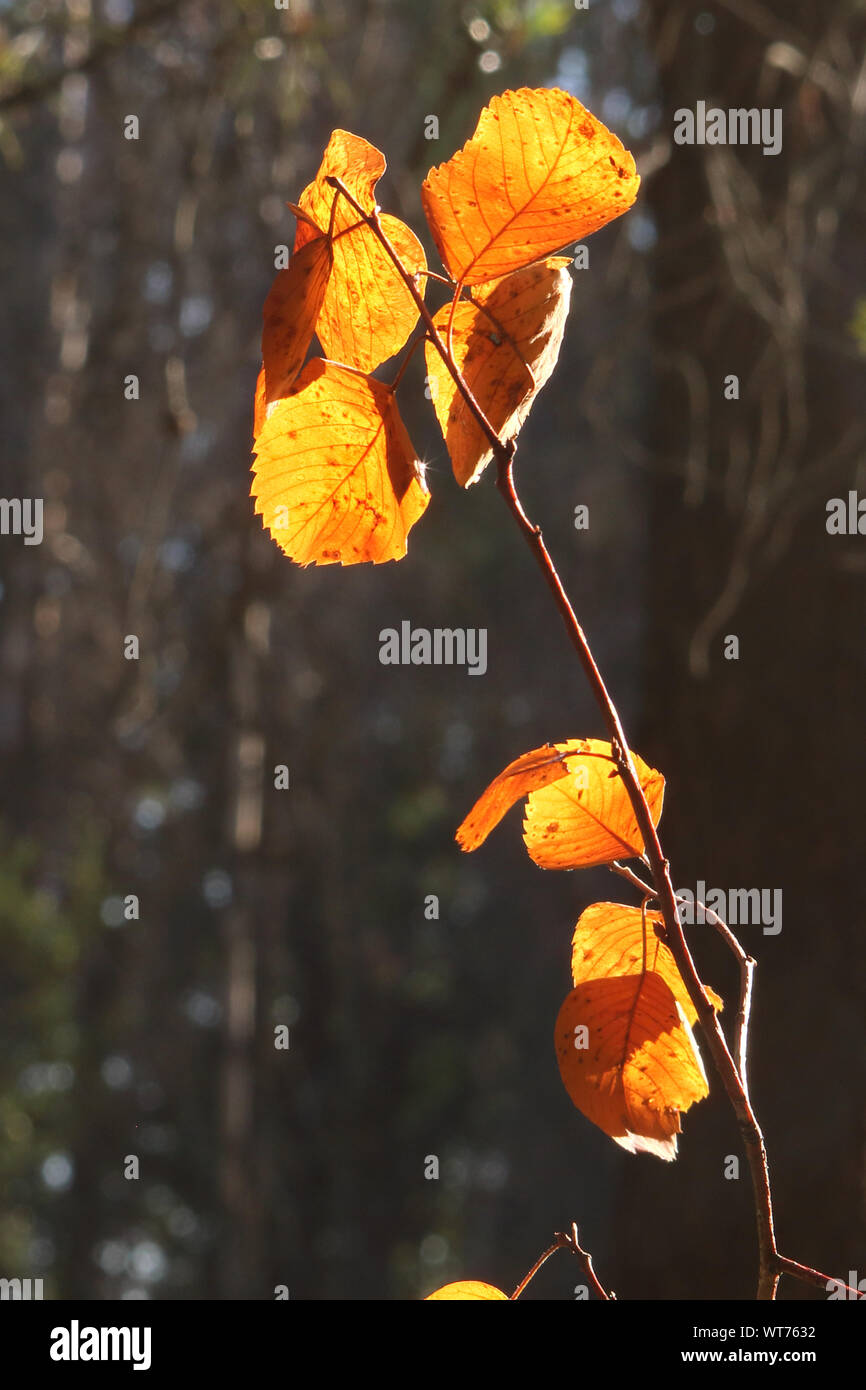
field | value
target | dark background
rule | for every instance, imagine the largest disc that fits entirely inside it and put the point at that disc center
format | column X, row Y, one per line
column 306, row 907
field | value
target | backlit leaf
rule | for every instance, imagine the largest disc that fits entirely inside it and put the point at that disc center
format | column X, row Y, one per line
column 577, row 814
column 506, row 343
column 587, row 818
column 641, row 1067
column 534, row 769
column 609, row 940
column 367, row 313
column 336, row 479
column 290, row 313
column 539, row 172
column 626, row 1052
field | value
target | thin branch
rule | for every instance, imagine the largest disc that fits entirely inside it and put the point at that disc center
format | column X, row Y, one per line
column 725, row 1066
column 573, row 1242
column 631, row 877
column 771, row 1263
column 814, row 1276
column 441, row 279
column 566, row 1241
column 747, row 975
column 558, row 1244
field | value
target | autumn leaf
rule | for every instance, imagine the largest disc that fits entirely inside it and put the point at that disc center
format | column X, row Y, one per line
column 626, row 1052
column 534, row 769
column 290, row 313
column 587, row 818
column 609, row 940
column 467, row 1289
column 641, row 1067
column 367, row 313
column 506, row 342
column 260, row 406
column 577, row 813
column 539, row 172
column 336, row 479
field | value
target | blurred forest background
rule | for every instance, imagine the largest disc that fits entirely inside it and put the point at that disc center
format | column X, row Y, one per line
column 410, row 1037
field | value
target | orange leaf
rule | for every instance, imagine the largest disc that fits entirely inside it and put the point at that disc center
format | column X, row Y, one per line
column 468, row 1289
column 626, row 1052
column 587, row 818
column 506, row 343
column 540, row 171
column 260, row 407
column 640, row 1067
column 527, row 772
column 336, row 479
column 290, row 314
column 367, row 313
column 609, row 941
column 578, row 813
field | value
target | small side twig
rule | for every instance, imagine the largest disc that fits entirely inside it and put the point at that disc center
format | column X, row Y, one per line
column 573, row 1244
column 566, row 1240
column 744, row 1010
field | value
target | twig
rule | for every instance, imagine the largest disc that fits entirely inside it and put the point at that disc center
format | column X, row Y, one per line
column 585, row 1258
column 771, row 1263
column 558, row 1244
column 747, row 974
column 814, row 1276
column 753, row 1139
column 566, row 1241
column 631, row 877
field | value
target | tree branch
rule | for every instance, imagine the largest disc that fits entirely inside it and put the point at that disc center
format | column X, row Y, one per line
column 567, row 1241
column 771, row 1264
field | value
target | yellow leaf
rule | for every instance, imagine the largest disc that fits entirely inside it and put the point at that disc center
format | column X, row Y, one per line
column 640, row 1068
column 534, row 769
column 467, row 1289
column 626, row 1052
column 367, row 313
column 577, row 814
column 336, row 479
column 506, row 343
column 586, row 817
column 290, row 313
column 609, row 940
column 539, row 172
